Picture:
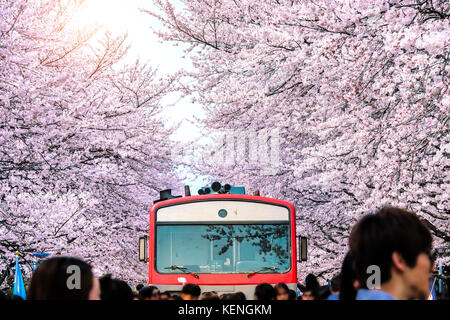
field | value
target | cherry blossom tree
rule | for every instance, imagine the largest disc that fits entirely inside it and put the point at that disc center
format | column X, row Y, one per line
column 358, row 90
column 84, row 149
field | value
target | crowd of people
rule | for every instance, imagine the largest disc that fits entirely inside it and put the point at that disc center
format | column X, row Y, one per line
column 263, row 292
column 390, row 258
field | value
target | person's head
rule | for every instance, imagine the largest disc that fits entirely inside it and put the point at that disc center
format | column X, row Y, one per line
column 349, row 282
column 164, row 296
column 139, row 287
column 282, row 291
column 240, row 296
column 308, row 295
column 114, row 289
column 226, row 296
column 64, row 278
column 311, row 282
column 190, row 291
column 137, row 296
column 175, row 297
column 292, row 295
column 398, row 244
column 265, row 292
column 335, row 284
column 149, row 293
column 210, row 296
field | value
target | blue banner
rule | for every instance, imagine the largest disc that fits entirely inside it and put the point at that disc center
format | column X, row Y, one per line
column 19, row 287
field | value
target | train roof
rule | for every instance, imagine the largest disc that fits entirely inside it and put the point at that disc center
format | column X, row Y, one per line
column 208, row 197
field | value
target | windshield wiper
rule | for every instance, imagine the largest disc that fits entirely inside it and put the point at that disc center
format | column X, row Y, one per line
column 185, row 270
column 263, row 270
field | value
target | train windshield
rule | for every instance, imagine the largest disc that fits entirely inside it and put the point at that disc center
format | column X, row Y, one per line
column 226, row 248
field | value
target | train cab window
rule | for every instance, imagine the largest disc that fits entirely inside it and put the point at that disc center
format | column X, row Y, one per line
column 228, row 248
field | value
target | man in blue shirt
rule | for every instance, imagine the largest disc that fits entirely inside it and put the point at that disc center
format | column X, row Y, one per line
column 365, row 294
column 335, row 285
column 392, row 254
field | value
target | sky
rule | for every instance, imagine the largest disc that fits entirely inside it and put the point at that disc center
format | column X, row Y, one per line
column 124, row 16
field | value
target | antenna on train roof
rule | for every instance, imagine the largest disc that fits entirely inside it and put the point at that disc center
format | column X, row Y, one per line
column 187, row 191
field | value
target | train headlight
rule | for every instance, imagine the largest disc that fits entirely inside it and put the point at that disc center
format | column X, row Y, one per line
column 223, row 213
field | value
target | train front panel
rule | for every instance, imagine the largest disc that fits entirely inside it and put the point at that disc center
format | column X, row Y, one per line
column 224, row 243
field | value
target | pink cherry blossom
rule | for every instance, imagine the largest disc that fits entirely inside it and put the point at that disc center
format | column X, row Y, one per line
column 359, row 91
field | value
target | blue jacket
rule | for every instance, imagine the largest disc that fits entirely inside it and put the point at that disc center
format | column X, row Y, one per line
column 333, row 297
column 364, row 294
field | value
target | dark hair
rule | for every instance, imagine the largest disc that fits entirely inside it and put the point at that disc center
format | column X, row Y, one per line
column 311, row 282
column 348, row 277
column 210, row 296
column 191, row 289
column 166, row 293
column 226, row 296
column 239, row 296
column 137, row 296
column 49, row 281
column 147, row 292
column 335, row 283
column 265, row 292
column 308, row 293
column 321, row 293
column 139, row 286
column 376, row 236
column 301, row 287
column 292, row 295
column 114, row 289
column 281, row 285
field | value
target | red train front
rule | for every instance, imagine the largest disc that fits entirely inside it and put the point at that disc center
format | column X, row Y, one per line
column 222, row 240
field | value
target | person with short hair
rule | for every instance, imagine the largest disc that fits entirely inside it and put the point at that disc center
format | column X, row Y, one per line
column 149, row 293
column 190, row 291
column 265, row 292
column 311, row 282
column 397, row 244
column 239, row 296
column 164, row 295
column 114, row 289
column 335, row 287
column 282, row 291
column 50, row 281
column 210, row 296
column 225, row 296
column 308, row 295
column 139, row 287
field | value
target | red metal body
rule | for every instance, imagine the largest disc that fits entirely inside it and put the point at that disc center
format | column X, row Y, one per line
column 222, row 279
